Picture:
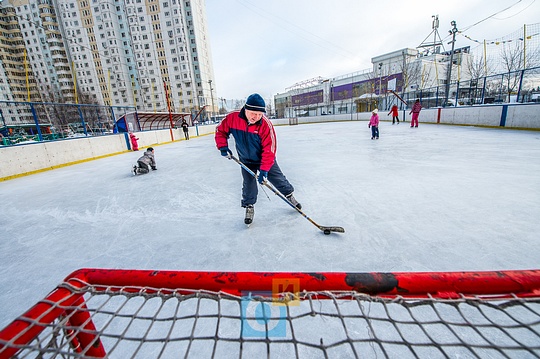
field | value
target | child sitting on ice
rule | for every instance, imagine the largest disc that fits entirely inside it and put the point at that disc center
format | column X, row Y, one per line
column 146, row 162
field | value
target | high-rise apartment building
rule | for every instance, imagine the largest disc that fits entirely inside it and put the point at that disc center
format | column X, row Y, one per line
column 33, row 62
column 109, row 52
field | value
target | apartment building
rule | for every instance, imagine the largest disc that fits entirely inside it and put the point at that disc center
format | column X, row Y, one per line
column 116, row 52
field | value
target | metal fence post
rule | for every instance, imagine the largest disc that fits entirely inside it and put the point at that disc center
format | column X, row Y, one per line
column 82, row 120
column 36, row 120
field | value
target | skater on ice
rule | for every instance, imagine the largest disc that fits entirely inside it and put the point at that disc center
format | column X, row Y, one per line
column 394, row 112
column 374, row 124
column 415, row 111
column 256, row 146
column 185, row 128
column 146, row 162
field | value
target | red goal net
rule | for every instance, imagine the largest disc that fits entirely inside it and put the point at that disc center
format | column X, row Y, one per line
column 97, row 313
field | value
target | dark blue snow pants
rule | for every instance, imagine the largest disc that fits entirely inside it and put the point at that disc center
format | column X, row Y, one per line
column 275, row 176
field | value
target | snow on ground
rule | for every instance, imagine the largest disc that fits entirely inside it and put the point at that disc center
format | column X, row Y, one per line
column 433, row 198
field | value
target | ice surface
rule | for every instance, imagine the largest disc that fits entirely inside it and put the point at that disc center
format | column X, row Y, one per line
column 433, row 198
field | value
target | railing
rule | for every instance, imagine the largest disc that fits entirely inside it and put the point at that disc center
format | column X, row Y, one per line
column 45, row 121
column 521, row 86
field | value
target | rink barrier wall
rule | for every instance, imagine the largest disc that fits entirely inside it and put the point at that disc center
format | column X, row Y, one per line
column 25, row 159
column 516, row 116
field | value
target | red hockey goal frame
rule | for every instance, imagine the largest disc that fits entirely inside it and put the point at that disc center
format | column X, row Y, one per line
column 68, row 299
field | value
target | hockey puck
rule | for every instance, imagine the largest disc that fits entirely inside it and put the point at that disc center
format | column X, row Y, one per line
column 327, row 231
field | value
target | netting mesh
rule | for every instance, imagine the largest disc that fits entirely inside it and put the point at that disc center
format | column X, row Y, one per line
column 142, row 322
column 522, row 44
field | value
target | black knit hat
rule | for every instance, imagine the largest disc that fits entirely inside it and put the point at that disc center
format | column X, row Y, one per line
column 255, row 103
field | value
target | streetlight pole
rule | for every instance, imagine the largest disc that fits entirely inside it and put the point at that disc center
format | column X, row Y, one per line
column 380, row 83
column 452, row 32
column 212, row 97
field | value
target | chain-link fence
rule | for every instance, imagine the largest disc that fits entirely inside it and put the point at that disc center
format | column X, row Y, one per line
column 22, row 122
column 516, row 51
column 522, row 86
column 502, row 70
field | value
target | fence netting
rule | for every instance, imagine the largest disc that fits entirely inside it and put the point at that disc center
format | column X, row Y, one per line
column 142, row 322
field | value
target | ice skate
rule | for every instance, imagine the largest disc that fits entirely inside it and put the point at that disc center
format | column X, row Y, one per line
column 250, row 212
column 134, row 170
column 294, row 201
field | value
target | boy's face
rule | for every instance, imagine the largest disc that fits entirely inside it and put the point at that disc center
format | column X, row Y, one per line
column 253, row 116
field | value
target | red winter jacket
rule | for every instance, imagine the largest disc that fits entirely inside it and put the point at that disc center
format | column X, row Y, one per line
column 255, row 144
column 394, row 111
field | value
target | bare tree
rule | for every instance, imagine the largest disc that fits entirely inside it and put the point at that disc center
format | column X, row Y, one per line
column 476, row 69
column 238, row 104
column 411, row 69
column 512, row 61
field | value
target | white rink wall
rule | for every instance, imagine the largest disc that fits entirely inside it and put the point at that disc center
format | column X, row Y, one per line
column 34, row 157
column 522, row 116
column 30, row 158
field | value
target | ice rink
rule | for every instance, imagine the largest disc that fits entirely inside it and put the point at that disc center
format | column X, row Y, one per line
column 433, row 198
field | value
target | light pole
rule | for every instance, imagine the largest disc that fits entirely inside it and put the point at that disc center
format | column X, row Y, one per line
column 380, row 83
column 452, row 32
column 211, row 97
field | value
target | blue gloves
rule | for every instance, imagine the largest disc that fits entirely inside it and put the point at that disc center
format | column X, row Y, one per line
column 225, row 152
column 263, row 175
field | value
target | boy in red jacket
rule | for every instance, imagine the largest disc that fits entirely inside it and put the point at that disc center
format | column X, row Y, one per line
column 256, row 145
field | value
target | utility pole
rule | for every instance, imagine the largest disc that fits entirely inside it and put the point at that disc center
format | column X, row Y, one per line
column 212, row 97
column 380, row 84
column 223, row 104
column 452, row 32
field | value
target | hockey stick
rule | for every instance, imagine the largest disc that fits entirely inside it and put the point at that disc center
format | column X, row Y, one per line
column 326, row 230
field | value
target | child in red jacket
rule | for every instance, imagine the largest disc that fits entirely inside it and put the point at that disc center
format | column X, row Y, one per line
column 394, row 112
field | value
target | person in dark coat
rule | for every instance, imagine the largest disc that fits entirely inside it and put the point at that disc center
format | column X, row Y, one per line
column 185, row 128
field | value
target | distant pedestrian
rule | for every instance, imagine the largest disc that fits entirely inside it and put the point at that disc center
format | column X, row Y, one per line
column 374, row 124
column 146, row 162
column 415, row 111
column 185, row 128
column 394, row 112
column 134, row 143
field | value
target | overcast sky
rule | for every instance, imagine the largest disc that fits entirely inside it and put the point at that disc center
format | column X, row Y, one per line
column 268, row 46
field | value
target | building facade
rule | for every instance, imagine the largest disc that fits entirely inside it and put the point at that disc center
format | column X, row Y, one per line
column 401, row 71
column 147, row 54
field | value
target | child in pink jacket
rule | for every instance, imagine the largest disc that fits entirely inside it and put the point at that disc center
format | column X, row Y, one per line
column 374, row 124
column 134, row 143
